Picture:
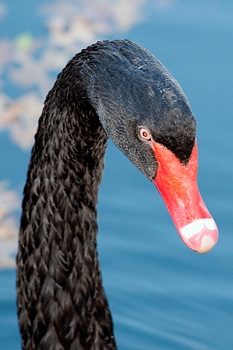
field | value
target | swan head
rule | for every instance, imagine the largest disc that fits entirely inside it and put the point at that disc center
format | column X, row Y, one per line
column 144, row 111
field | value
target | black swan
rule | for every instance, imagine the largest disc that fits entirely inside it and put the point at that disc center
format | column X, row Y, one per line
column 114, row 89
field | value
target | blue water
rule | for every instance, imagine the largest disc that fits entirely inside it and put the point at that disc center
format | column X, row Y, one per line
column 162, row 295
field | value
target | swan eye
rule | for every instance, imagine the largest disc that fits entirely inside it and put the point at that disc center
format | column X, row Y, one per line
column 144, row 134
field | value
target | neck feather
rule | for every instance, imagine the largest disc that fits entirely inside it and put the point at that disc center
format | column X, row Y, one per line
column 60, row 296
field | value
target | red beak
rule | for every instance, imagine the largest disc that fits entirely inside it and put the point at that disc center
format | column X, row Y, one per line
column 177, row 185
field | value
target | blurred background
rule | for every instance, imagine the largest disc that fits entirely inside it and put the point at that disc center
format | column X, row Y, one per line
column 162, row 295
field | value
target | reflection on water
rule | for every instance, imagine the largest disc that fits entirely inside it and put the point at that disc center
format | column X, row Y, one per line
column 162, row 295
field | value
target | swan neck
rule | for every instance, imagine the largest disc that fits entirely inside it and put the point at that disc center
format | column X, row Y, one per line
column 61, row 300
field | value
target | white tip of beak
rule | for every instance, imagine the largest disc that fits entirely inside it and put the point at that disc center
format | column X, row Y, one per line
column 200, row 235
